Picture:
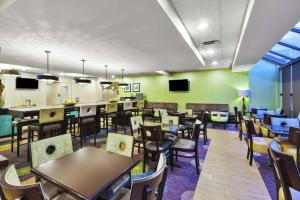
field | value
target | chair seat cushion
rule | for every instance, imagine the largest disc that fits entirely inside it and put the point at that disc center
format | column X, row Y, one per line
column 50, row 190
column 162, row 146
column 282, row 140
column 265, row 132
column 290, row 149
column 34, row 127
column 171, row 137
column 294, row 193
column 184, row 144
column 260, row 144
column 122, row 182
column 123, row 194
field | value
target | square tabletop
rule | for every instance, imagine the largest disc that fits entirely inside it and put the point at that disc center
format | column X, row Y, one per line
column 87, row 172
column 278, row 129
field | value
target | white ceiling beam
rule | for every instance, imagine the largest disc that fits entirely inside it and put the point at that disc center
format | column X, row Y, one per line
column 172, row 14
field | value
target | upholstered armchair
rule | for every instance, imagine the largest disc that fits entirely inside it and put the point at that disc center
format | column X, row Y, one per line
column 13, row 189
column 219, row 117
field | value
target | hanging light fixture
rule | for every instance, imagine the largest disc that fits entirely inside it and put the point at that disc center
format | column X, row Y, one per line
column 82, row 80
column 10, row 72
column 106, row 82
column 123, row 84
column 47, row 76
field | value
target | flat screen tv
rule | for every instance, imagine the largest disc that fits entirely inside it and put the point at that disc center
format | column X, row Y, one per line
column 179, row 85
column 26, row 83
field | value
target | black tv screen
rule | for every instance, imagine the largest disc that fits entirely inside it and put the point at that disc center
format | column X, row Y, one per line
column 27, row 83
column 179, row 85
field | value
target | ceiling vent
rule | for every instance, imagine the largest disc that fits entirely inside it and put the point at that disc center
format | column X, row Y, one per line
column 209, row 43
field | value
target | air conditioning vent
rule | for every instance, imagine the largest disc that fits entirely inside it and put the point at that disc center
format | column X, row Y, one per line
column 209, row 43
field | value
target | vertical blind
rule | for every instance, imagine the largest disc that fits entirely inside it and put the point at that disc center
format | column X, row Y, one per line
column 291, row 89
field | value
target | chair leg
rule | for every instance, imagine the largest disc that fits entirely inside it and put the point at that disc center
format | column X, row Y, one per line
column 248, row 153
column 139, row 147
column 12, row 138
column 19, row 134
column 197, row 161
column 80, row 141
column 240, row 135
column 95, row 139
column 251, row 157
column 145, row 160
column 176, row 155
column 171, row 159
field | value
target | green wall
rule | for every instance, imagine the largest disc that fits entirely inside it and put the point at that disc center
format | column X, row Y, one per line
column 206, row 86
column 264, row 85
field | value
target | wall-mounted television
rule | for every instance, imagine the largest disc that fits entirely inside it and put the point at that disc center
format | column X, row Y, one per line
column 179, row 85
column 27, row 83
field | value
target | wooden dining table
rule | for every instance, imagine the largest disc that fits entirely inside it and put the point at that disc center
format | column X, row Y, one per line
column 86, row 173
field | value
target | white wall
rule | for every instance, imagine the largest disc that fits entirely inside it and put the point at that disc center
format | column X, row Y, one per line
column 49, row 94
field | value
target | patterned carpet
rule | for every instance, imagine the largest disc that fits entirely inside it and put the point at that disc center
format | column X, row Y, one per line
column 180, row 184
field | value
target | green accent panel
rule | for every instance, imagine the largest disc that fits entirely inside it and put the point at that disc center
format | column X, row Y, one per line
column 264, row 86
column 5, row 125
column 206, row 86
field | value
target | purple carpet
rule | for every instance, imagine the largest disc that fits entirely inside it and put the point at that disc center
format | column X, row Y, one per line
column 180, row 183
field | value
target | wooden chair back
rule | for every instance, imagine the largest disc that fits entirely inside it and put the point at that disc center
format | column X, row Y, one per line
column 48, row 149
column 152, row 133
column 135, row 122
column 128, row 105
column 87, row 111
column 174, row 120
column 111, row 108
column 150, row 187
column 287, row 170
column 120, row 144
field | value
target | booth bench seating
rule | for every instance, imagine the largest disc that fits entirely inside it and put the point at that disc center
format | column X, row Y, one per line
column 162, row 105
column 198, row 107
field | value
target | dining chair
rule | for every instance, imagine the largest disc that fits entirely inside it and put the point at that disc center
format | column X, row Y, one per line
column 203, row 127
column 187, row 145
column 286, row 172
column 254, row 143
column 153, row 142
column 290, row 144
column 135, row 122
column 52, row 148
column 13, row 189
column 123, row 145
column 87, row 123
column 147, row 188
column 162, row 113
column 242, row 126
column 120, row 144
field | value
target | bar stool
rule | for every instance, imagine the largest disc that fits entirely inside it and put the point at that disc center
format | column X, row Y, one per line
column 110, row 113
column 51, row 123
column 87, row 123
column 19, row 125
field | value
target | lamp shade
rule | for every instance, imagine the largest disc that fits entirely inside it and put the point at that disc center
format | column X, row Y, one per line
column 244, row 93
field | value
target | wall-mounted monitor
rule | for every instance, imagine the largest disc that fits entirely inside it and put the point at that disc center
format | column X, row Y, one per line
column 179, row 85
column 27, row 83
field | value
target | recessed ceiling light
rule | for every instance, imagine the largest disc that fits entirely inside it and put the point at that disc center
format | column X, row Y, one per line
column 210, row 51
column 162, row 72
column 202, row 26
column 214, row 63
column 112, row 76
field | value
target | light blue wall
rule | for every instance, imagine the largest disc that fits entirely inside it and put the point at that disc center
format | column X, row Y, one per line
column 264, row 85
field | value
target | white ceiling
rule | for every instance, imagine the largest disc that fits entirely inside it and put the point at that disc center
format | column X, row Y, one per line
column 135, row 35
column 269, row 21
column 225, row 19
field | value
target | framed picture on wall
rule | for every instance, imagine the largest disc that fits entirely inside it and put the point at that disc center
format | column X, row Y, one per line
column 127, row 88
column 136, row 87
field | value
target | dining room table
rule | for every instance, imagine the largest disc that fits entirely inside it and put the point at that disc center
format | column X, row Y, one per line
column 86, row 173
column 278, row 130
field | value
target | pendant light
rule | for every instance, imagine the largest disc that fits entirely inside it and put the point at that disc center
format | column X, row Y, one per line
column 10, row 72
column 47, row 76
column 82, row 80
column 123, row 84
column 106, row 82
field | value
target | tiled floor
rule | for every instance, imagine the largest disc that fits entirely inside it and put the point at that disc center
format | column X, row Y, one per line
column 226, row 174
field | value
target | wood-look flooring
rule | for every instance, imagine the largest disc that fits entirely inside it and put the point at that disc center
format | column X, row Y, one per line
column 226, row 174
